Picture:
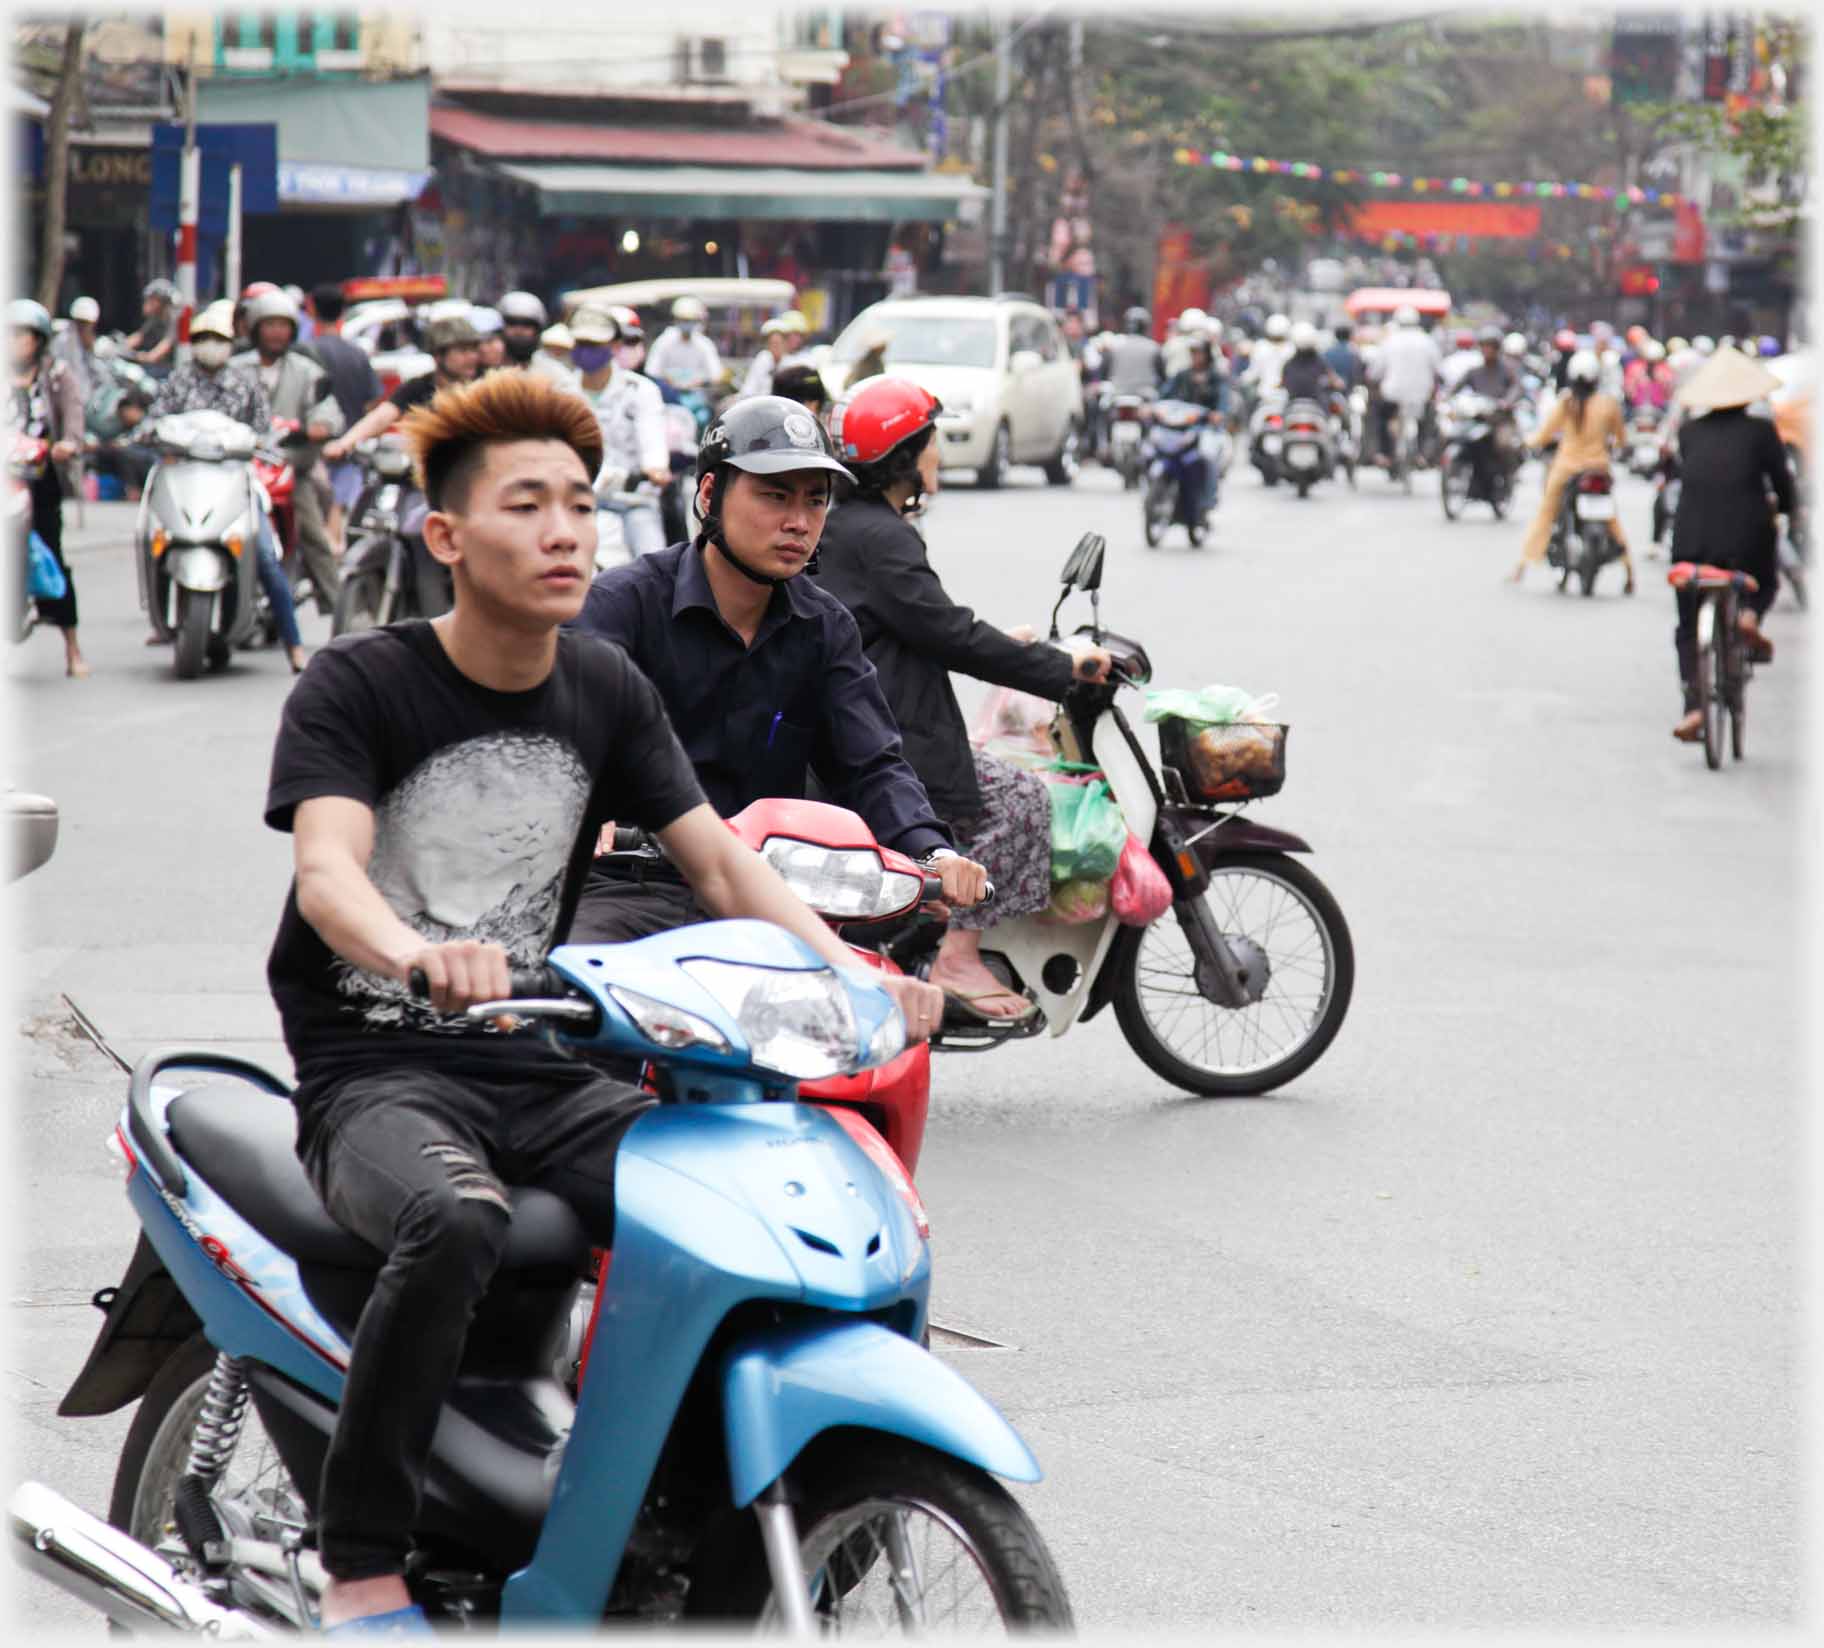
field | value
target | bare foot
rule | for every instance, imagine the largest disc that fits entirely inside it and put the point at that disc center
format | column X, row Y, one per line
column 346, row 1599
column 1691, row 728
column 984, row 992
column 1517, row 574
column 78, row 667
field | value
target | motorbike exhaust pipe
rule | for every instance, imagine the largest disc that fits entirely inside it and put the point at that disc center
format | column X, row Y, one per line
column 99, row 1565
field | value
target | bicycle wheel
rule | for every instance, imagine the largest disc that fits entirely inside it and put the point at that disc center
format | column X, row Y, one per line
column 1738, row 695
column 1454, row 485
column 1289, row 934
column 1709, row 683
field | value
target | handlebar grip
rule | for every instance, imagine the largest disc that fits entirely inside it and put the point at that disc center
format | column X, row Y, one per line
column 526, row 982
column 629, row 838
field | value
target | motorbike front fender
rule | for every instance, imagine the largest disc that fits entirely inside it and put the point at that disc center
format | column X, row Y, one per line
column 198, row 568
column 783, row 1388
column 1236, row 834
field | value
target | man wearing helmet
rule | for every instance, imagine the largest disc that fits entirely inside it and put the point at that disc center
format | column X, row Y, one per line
column 208, row 382
column 522, row 323
column 298, row 391
column 153, row 343
column 683, row 355
column 1269, row 355
column 1409, row 374
column 761, row 672
column 915, row 634
column 75, row 346
column 1464, row 357
column 636, row 459
column 1131, row 363
column 781, row 340
column 455, row 348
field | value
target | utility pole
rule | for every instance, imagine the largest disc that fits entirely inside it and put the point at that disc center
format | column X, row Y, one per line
column 189, row 204
column 231, row 255
column 57, row 169
column 1003, row 95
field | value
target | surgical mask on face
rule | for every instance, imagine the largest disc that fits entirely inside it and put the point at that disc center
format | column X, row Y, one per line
column 212, row 353
column 591, row 357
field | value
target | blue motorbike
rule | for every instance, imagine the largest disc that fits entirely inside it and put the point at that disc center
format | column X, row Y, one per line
column 758, row 1433
column 1177, row 473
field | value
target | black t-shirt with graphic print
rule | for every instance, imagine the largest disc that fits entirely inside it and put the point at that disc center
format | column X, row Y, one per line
column 487, row 806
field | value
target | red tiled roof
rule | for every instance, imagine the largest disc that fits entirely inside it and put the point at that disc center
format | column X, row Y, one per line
column 805, row 143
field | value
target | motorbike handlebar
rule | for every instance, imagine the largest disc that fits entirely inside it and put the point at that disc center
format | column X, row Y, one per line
column 524, row 983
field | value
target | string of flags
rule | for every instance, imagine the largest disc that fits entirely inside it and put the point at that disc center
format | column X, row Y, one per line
column 1470, row 188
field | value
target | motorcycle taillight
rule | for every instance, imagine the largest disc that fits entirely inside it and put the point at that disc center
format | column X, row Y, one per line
column 1593, row 483
column 1274, row 421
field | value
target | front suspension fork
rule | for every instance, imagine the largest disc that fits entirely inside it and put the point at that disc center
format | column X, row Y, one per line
column 1220, row 977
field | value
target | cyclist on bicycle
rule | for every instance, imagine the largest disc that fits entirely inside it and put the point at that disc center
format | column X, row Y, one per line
column 1731, row 462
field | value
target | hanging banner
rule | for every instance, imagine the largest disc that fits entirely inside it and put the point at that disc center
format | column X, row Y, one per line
column 1482, row 219
column 1462, row 187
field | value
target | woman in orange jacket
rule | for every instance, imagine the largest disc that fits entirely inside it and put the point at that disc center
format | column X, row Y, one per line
column 1585, row 424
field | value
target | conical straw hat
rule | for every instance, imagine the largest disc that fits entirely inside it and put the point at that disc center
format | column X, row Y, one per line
column 1728, row 378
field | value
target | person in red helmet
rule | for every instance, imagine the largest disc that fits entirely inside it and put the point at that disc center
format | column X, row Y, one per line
column 874, row 562
column 250, row 293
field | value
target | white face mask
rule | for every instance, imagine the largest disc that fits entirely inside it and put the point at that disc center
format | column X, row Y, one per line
column 211, row 353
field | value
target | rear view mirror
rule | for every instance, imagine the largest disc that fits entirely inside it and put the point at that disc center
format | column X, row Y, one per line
column 1083, row 569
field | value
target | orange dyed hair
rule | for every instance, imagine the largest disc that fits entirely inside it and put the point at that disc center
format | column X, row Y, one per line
column 449, row 436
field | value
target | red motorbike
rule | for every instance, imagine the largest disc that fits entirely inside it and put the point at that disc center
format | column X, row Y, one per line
column 828, row 856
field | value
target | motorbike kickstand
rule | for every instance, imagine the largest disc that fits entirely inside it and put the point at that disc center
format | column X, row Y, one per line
column 779, row 1533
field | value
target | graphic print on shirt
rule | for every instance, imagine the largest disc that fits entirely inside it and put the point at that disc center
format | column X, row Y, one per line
column 473, row 844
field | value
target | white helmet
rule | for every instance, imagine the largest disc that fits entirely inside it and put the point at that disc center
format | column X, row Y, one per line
column 1193, row 320
column 689, row 309
column 1212, row 328
column 85, row 309
column 1278, row 326
column 1704, row 345
column 1405, row 315
column 486, row 321
column 273, row 305
column 1513, row 344
column 1304, row 336
column 1654, row 351
column 1583, row 367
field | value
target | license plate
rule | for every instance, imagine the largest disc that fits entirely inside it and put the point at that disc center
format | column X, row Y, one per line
column 1126, row 433
column 1301, row 453
column 1595, row 507
column 1645, row 453
column 1269, row 443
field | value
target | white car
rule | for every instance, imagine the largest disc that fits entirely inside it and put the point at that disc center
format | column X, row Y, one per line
column 1010, row 389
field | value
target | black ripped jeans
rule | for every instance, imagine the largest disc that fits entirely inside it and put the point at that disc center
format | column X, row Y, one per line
column 417, row 1163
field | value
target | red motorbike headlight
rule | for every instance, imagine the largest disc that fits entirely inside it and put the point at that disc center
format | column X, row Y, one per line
column 842, row 884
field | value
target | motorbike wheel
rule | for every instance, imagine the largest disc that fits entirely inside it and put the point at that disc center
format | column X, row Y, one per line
column 1591, row 564
column 1296, row 929
column 981, row 1560
column 358, row 602
column 218, row 652
column 1157, row 514
column 1454, row 480
column 157, row 1450
column 1062, row 470
column 1501, row 492
column 993, row 474
column 193, row 613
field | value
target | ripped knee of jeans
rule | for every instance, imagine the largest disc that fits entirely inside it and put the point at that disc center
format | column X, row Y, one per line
column 470, row 1180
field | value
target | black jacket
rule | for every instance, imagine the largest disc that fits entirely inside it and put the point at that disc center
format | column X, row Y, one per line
column 914, row 634
column 1730, row 462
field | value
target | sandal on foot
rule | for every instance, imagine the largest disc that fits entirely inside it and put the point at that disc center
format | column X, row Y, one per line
column 1689, row 735
column 965, row 1005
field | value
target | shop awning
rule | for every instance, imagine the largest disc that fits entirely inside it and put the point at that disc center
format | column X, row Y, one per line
column 749, row 192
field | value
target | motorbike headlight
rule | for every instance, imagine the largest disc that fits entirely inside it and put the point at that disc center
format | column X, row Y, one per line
column 845, row 884
column 800, row 1023
column 659, row 1021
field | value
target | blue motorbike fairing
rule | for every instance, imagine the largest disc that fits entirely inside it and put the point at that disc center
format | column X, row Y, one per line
column 786, row 1386
column 639, row 965
column 806, row 1219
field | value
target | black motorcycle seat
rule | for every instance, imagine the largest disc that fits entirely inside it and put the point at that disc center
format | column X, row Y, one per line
column 242, row 1141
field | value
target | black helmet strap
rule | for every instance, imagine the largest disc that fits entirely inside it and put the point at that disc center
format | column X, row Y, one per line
column 712, row 533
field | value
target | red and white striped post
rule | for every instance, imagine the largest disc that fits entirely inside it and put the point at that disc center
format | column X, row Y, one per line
column 189, row 210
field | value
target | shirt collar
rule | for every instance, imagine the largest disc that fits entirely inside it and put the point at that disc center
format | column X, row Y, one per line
column 692, row 590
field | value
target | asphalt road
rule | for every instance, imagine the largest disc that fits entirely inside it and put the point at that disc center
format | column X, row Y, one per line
column 1491, row 1319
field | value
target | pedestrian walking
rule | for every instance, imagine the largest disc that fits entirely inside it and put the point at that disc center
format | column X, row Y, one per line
column 47, row 406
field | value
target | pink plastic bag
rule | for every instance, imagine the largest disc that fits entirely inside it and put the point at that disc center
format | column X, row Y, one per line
column 1139, row 894
column 1011, row 721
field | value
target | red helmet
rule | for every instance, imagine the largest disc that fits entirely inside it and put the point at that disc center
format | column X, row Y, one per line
column 256, row 289
column 1466, row 339
column 1565, row 338
column 880, row 417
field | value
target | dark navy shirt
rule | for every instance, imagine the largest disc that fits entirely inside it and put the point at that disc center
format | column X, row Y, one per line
column 753, row 720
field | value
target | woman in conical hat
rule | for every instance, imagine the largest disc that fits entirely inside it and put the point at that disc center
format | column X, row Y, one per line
column 1730, row 461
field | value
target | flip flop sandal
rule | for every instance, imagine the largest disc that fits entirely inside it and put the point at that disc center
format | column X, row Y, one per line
column 965, row 1005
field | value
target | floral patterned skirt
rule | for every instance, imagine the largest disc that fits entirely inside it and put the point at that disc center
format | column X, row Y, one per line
column 1011, row 838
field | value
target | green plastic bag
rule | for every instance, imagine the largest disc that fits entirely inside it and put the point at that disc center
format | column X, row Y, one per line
column 1211, row 707
column 1087, row 832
